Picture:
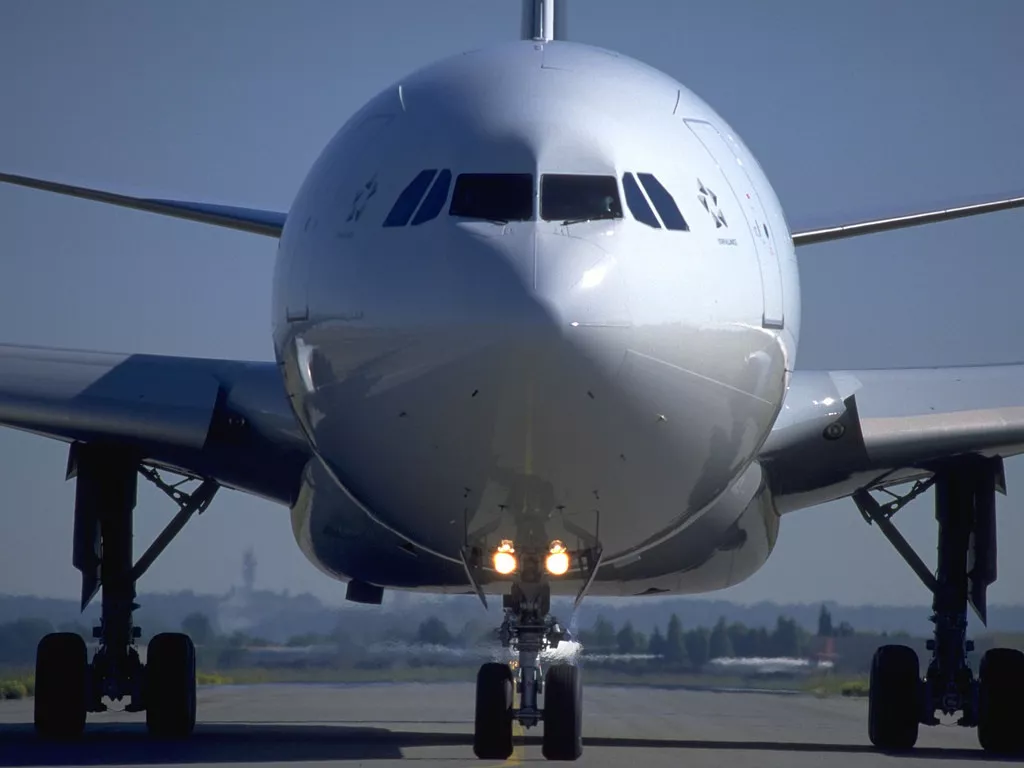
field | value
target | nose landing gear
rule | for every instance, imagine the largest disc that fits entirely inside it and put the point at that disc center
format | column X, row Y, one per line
column 900, row 699
column 529, row 629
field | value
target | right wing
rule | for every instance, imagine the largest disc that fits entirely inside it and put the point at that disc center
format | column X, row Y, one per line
column 221, row 419
column 267, row 223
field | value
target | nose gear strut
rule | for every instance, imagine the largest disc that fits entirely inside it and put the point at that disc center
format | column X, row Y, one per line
column 529, row 629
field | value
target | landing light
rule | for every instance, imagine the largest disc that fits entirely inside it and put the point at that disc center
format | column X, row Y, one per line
column 557, row 562
column 504, row 559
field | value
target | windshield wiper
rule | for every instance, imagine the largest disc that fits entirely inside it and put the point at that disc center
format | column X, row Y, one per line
column 582, row 219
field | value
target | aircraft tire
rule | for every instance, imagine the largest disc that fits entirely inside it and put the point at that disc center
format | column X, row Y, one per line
column 62, row 665
column 492, row 731
column 894, row 699
column 171, row 686
column 563, row 713
column 1000, row 686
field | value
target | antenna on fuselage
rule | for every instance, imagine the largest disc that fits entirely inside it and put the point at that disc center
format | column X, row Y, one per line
column 544, row 20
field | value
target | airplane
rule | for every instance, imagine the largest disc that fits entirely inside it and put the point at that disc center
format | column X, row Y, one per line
column 527, row 343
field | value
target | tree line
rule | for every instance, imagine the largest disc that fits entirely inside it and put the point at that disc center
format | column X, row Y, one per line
column 671, row 645
column 695, row 647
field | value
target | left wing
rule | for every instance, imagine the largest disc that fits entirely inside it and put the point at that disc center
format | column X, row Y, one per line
column 843, row 431
column 826, row 232
column 225, row 420
column 267, row 223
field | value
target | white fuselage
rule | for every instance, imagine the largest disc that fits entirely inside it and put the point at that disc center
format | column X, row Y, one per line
column 467, row 378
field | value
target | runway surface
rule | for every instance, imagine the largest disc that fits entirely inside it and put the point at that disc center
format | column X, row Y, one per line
column 432, row 724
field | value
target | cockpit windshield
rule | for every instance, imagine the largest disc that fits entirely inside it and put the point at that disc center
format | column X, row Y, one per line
column 573, row 198
column 500, row 197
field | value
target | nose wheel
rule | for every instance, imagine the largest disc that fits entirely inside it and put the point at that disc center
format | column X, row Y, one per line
column 529, row 629
column 492, row 734
column 563, row 713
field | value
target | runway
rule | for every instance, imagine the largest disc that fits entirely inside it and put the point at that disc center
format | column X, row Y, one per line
column 432, row 724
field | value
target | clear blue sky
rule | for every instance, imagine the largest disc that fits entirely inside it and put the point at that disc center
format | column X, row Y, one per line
column 850, row 107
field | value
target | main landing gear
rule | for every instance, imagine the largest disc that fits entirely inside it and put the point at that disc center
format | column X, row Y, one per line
column 900, row 700
column 67, row 684
column 530, row 629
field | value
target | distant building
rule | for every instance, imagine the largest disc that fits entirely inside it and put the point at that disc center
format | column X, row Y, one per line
column 769, row 667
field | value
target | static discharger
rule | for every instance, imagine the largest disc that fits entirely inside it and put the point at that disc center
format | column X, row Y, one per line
column 504, row 559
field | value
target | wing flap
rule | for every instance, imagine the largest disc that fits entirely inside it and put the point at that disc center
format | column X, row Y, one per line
column 255, row 221
column 844, row 430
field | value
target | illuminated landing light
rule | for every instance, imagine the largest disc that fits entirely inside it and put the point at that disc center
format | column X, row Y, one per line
column 504, row 559
column 557, row 562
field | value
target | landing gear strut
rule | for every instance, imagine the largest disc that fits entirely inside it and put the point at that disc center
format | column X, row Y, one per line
column 900, row 700
column 67, row 685
column 530, row 629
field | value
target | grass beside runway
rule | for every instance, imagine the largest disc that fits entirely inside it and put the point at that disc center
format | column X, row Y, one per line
column 18, row 684
column 820, row 686
column 851, row 687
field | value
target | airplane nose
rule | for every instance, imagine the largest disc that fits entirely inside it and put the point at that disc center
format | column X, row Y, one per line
column 549, row 404
column 500, row 373
column 583, row 292
column 539, row 295
column 567, row 275
column 536, row 291
column 579, row 283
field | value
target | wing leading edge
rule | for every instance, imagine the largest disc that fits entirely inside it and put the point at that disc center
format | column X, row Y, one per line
column 258, row 222
column 870, row 226
column 842, row 431
column 221, row 419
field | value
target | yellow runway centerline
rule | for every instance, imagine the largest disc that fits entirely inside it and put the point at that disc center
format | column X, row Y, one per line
column 517, row 738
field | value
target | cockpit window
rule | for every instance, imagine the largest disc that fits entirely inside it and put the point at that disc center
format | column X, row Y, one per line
column 572, row 198
column 638, row 203
column 660, row 198
column 409, row 199
column 664, row 203
column 435, row 199
column 499, row 197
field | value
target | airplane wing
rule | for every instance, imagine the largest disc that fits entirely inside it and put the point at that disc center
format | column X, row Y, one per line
column 267, row 223
column 841, row 431
column 823, row 232
column 225, row 420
